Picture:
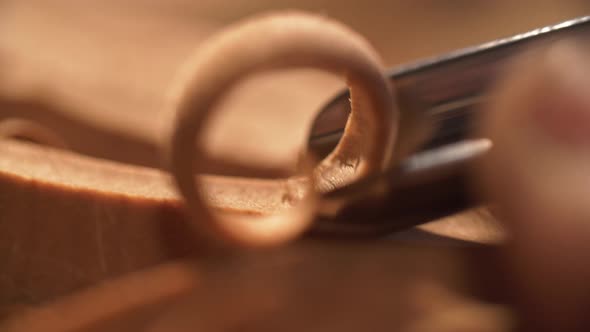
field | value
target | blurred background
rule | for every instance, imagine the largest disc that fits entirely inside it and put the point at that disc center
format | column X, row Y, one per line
column 117, row 58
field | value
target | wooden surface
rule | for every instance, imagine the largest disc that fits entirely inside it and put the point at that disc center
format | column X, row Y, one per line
column 306, row 286
column 116, row 60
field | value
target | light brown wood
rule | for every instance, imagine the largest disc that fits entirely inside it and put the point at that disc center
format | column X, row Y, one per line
column 289, row 39
column 69, row 221
column 64, row 228
column 293, row 287
column 71, row 195
column 125, row 304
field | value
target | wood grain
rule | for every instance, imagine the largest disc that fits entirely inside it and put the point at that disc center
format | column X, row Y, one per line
column 63, row 229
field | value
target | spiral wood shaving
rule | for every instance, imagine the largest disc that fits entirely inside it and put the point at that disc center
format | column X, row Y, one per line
column 281, row 41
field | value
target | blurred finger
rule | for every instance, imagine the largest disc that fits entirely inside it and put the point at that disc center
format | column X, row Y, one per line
column 539, row 174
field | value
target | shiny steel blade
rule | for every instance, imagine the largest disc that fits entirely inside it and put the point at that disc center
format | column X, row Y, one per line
column 432, row 181
column 448, row 89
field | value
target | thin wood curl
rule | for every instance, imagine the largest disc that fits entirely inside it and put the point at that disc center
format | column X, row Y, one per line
column 30, row 131
column 282, row 40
